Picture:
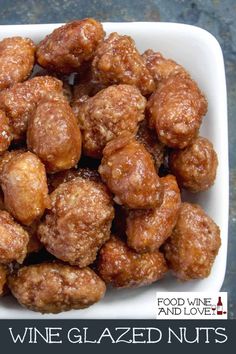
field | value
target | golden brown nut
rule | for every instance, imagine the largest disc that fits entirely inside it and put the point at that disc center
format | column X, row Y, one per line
column 65, row 176
column 193, row 245
column 16, row 60
column 147, row 230
column 148, row 138
column 68, row 46
column 5, row 132
column 109, row 113
column 24, row 184
column 54, row 136
column 128, row 170
column 122, row 267
column 19, row 101
column 117, row 61
column 56, row 287
column 160, row 67
column 195, row 166
column 7, row 157
column 79, row 222
column 13, row 240
column 66, row 82
column 3, row 279
column 176, row 110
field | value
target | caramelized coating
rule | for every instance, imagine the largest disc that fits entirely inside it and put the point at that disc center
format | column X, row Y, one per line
column 109, row 113
column 67, row 47
column 195, row 166
column 147, row 230
column 5, row 132
column 193, row 245
column 160, row 67
column 56, row 287
column 19, row 101
column 3, row 279
column 7, row 157
column 16, row 60
column 128, row 170
column 148, row 138
column 54, row 135
column 65, row 176
column 34, row 244
column 89, row 174
column 79, row 222
column 117, row 61
column 176, row 110
column 66, row 85
column 85, row 86
column 24, row 184
column 98, row 121
column 13, row 240
column 122, row 267
column 81, row 92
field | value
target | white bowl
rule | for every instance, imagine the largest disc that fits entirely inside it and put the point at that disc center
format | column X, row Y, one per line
column 199, row 52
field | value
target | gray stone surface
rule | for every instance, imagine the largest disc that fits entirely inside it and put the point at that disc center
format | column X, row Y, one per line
column 216, row 16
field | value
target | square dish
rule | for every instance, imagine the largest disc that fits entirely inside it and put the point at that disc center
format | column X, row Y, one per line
column 199, row 52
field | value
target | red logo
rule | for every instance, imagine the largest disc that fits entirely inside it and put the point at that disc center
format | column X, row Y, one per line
column 218, row 308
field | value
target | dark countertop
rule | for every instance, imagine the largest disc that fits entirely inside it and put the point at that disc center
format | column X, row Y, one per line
column 216, row 16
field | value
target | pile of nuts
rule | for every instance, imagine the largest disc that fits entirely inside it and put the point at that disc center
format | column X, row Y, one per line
column 96, row 145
